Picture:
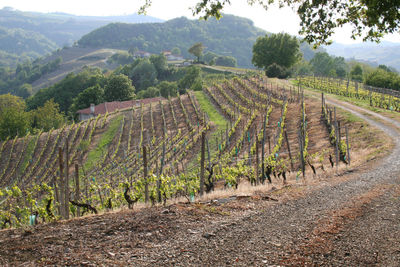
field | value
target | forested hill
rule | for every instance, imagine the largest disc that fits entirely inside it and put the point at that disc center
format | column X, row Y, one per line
column 27, row 35
column 61, row 28
column 18, row 41
column 230, row 36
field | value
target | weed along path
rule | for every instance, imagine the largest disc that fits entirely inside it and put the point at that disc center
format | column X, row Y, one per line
column 348, row 219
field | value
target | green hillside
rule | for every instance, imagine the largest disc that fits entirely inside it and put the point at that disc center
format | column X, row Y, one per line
column 28, row 35
column 18, row 41
column 230, row 36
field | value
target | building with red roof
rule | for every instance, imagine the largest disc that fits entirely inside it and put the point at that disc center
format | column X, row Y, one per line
column 103, row 108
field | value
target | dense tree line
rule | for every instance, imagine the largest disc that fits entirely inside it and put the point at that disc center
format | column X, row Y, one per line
column 383, row 77
column 16, row 120
column 142, row 78
column 17, row 82
column 323, row 64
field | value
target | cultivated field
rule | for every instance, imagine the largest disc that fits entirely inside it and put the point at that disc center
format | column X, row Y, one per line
column 150, row 153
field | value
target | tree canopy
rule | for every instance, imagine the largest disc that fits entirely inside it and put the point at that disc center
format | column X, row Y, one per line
column 281, row 49
column 119, row 88
column 325, row 65
column 197, row 50
column 48, row 116
column 369, row 19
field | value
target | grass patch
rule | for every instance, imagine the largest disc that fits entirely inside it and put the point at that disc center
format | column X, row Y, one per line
column 351, row 118
column 95, row 155
column 371, row 142
column 28, row 154
column 211, row 111
column 221, row 124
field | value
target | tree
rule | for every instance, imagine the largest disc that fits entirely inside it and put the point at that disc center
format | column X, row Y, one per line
column 176, row 51
column 14, row 120
column 356, row 73
column 227, row 61
column 121, row 58
column 91, row 95
column 119, row 88
column 369, row 19
column 10, row 101
column 303, row 67
column 192, row 77
column 167, row 88
column 325, row 65
column 383, row 79
column 48, row 116
column 281, row 49
column 386, row 68
column 160, row 63
column 209, row 57
column 149, row 93
column 276, row 71
column 196, row 50
column 143, row 75
column 25, row 90
column 67, row 89
column 133, row 50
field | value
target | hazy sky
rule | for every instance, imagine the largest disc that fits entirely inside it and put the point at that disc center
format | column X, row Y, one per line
column 274, row 20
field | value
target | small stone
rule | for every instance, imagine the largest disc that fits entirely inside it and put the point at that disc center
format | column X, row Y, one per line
column 208, row 235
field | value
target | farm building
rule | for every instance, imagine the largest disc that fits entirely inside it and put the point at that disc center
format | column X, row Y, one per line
column 103, row 108
column 141, row 54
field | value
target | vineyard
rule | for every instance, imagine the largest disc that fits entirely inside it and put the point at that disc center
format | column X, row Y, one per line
column 170, row 149
column 377, row 97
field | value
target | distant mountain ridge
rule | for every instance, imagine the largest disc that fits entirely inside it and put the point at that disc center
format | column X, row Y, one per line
column 63, row 28
column 386, row 53
column 33, row 34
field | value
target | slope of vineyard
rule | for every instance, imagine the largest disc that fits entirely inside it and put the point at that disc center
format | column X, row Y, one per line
column 152, row 152
column 376, row 97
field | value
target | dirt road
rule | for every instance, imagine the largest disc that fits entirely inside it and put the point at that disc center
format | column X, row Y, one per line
column 349, row 222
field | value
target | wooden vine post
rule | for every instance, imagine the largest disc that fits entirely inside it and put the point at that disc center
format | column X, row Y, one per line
column 62, row 187
column 262, row 153
column 370, row 96
column 290, row 154
column 249, row 139
column 202, row 159
column 56, row 199
column 356, row 85
column 146, row 183
column 257, row 162
column 160, row 173
column 347, row 144
column 301, row 152
column 67, row 180
column 335, row 125
column 77, row 189
column 208, row 154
